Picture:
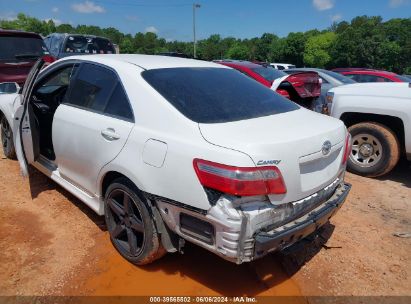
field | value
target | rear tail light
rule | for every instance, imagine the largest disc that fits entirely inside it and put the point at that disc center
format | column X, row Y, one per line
column 49, row 59
column 241, row 181
column 347, row 149
column 283, row 93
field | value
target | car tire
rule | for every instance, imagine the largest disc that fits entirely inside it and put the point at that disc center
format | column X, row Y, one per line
column 377, row 140
column 129, row 219
column 7, row 139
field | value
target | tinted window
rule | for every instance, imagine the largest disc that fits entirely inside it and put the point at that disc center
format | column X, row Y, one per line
column 118, row 104
column 337, row 76
column 403, row 78
column 56, row 80
column 92, row 87
column 21, row 48
column 213, row 95
column 88, row 45
column 268, row 73
column 98, row 89
column 369, row 78
column 280, row 67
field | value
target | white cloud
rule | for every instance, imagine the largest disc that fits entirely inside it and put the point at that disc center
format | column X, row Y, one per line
column 151, row 29
column 9, row 16
column 55, row 9
column 56, row 21
column 398, row 3
column 323, row 5
column 336, row 17
column 87, row 7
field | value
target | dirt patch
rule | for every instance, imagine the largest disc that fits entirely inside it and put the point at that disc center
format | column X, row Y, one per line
column 44, row 238
column 361, row 256
column 52, row 244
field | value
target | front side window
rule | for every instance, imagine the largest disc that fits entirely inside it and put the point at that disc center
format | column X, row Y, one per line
column 98, row 89
column 57, row 80
column 216, row 95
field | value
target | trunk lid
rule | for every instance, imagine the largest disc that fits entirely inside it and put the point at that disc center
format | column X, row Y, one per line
column 292, row 141
column 306, row 84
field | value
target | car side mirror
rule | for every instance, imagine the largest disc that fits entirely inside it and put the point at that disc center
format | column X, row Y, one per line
column 9, row 88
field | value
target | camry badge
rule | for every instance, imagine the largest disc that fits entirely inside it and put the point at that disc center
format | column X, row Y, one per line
column 326, row 147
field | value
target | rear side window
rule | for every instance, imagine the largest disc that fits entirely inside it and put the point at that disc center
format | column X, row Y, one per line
column 216, row 95
column 98, row 89
column 118, row 104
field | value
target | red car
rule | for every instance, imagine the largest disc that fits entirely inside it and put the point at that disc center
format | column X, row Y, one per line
column 369, row 75
column 18, row 53
column 303, row 88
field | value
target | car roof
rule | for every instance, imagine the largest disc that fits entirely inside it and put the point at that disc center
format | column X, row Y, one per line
column 19, row 33
column 147, row 62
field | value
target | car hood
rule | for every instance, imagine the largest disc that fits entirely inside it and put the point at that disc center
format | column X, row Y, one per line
column 398, row 90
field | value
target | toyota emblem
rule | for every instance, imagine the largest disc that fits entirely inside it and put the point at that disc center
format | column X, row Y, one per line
column 326, row 147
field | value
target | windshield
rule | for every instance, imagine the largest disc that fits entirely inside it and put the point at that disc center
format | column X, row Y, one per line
column 88, row 45
column 20, row 48
column 269, row 73
column 339, row 77
column 216, row 95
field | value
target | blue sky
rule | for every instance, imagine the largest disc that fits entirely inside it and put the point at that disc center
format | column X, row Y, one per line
column 172, row 19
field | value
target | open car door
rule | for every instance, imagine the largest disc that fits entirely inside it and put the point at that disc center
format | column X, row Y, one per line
column 25, row 129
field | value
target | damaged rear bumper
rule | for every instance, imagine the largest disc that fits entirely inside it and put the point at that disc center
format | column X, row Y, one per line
column 284, row 236
column 241, row 231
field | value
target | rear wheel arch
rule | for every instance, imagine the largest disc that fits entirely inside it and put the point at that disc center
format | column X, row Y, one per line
column 148, row 240
column 168, row 238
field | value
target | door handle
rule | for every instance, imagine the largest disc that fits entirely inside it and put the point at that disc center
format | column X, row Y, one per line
column 110, row 134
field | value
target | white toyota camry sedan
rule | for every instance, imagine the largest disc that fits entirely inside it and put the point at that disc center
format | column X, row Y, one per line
column 173, row 150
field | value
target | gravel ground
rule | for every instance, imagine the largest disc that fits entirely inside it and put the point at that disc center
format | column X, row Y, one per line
column 52, row 244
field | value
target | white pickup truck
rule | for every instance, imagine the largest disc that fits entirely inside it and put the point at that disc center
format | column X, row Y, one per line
column 378, row 116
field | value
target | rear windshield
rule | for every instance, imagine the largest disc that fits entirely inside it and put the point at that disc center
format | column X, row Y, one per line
column 216, row 95
column 21, row 48
column 88, row 45
column 339, row 77
column 269, row 73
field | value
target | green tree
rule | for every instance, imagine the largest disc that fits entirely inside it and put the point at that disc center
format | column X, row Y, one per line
column 317, row 50
column 238, row 51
